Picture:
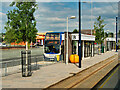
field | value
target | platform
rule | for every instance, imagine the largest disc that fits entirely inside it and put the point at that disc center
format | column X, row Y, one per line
column 51, row 74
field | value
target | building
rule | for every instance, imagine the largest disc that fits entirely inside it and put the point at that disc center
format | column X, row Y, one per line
column 119, row 40
column 88, row 31
column 40, row 39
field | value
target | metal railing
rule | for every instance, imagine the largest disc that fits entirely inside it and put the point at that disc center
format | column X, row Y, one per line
column 13, row 65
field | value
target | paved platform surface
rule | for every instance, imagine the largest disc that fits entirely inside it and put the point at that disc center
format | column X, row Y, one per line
column 49, row 75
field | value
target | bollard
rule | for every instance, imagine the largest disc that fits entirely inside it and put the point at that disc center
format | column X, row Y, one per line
column 36, row 62
column 43, row 59
column 5, row 69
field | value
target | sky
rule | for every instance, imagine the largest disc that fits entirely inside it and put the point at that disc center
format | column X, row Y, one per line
column 52, row 16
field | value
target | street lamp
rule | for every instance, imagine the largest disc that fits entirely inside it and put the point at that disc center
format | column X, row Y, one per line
column 107, row 31
column 116, row 35
column 72, row 17
column 105, row 39
column 91, row 13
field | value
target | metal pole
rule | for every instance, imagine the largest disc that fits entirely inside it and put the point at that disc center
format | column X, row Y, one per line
column 83, row 50
column 79, row 44
column 26, row 63
column 104, row 41
column 5, row 69
column 91, row 17
column 67, row 44
column 36, row 63
column 116, row 35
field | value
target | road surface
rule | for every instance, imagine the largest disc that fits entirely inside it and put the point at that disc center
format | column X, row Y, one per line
column 12, row 57
column 16, row 53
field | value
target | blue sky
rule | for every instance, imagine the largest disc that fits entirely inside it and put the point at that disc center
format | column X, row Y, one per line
column 51, row 16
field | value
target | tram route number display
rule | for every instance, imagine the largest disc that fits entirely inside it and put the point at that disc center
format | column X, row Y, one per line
column 51, row 42
column 52, row 37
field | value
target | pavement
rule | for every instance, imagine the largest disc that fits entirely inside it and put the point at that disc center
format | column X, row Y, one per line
column 119, row 54
column 51, row 74
column 18, row 68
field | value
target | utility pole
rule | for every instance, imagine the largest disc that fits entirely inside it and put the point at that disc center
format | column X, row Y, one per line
column 67, row 44
column 91, row 17
column 116, row 35
column 79, row 44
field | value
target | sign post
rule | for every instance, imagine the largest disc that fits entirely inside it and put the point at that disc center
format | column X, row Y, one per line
column 79, row 44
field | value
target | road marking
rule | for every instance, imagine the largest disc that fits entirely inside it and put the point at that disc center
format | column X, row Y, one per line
column 109, row 77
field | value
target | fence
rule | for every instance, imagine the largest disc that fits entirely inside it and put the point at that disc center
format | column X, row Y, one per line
column 13, row 65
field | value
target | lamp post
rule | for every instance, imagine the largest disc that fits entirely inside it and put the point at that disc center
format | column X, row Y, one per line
column 116, row 35
column 72, row 17
column 91, row 17
column 108, row 41
column 91, row 13
column 105, row 40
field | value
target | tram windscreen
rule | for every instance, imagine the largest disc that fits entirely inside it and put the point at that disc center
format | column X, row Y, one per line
column 52, row 46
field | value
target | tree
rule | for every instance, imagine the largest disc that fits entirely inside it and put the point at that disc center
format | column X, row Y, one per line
column 21, row 24
column 2, row 37
column 10, row 37
column 99, row 29
column 110, row 34
column 75, row 31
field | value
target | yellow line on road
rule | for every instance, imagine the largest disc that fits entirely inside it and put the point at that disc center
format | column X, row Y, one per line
column 109, row 77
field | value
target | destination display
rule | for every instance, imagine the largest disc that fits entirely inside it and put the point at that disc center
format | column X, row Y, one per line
column 53, row 36
column 51, row 42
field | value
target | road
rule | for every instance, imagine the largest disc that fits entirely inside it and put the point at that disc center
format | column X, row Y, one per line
column 12, row 57
column 16, row 53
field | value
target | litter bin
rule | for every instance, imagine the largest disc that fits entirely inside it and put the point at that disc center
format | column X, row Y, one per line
column 26, row 63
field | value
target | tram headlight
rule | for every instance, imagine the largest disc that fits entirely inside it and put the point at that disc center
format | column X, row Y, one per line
column 47, row 55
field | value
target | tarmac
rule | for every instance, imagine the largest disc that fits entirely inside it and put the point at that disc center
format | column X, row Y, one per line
column 51, row 74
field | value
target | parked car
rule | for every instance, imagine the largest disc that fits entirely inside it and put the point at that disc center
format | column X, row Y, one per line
column 3, row 45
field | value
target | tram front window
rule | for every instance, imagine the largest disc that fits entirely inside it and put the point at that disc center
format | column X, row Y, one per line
column 52, row 49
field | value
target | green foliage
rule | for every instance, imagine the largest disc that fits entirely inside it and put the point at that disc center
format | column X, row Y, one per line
column 110, row 34
column 106, row 35
column 75, row 31
column 10, row 36
column 1, row 36
column 99, row 30
column 21, row 24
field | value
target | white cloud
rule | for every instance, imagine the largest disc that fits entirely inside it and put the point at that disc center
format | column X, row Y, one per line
column 58, row 25
column 102, row 0
column 56, row 19
column 67, row 0
column 70, row 25
column 67, row 8
column 2, row 13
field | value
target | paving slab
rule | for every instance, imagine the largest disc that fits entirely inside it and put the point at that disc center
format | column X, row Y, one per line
column 49, row 75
